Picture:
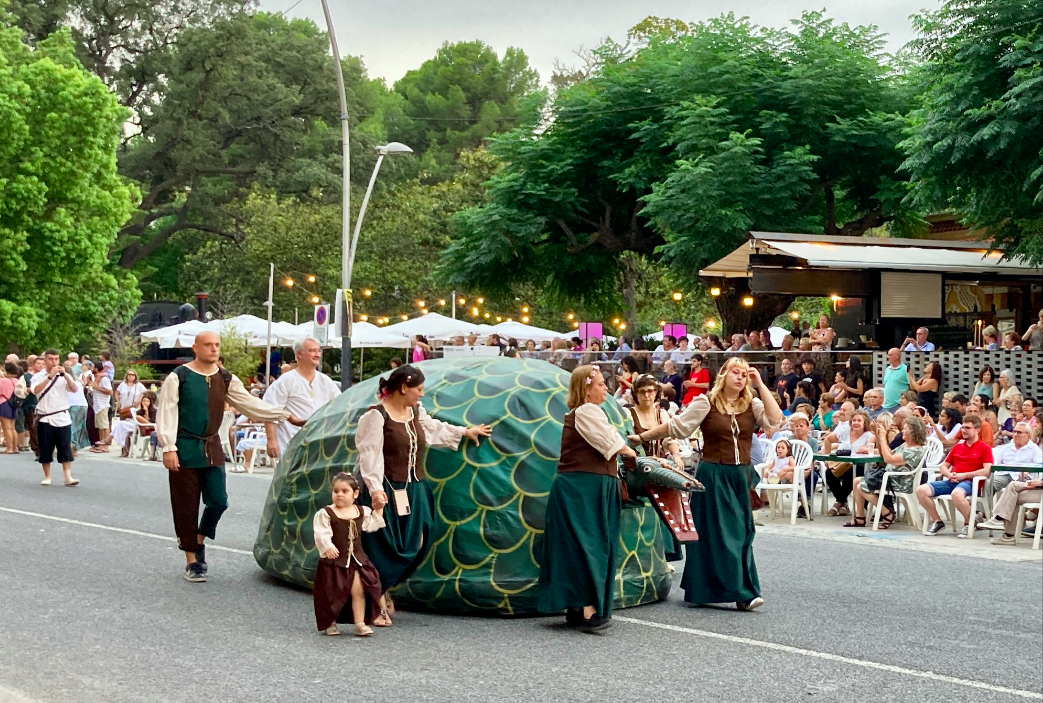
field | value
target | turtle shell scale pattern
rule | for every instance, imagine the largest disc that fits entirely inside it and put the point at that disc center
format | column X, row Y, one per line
column 490, row 499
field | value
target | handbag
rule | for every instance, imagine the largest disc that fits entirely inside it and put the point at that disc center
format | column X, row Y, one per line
column 874, row 477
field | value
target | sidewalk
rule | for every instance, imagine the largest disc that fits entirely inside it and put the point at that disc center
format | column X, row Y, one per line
column 114, row 455
column 900, row 536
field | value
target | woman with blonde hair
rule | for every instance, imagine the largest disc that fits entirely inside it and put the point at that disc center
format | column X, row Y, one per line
column 581, row 527
column 822, row 336
column 720, row 566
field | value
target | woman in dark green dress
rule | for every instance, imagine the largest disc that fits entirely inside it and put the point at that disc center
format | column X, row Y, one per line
column 391, row 438
column 581, row 530
column 720, row 566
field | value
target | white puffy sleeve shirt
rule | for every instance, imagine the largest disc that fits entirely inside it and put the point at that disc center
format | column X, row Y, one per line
column 369, row 441
column 593, row 426
column 684, row 423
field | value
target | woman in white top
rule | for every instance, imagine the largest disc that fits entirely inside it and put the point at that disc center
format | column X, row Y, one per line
column 128, row 399
column 1007, row 391
column 391, row 438
column 581, row 525
column 822, row 336
column 839, row 478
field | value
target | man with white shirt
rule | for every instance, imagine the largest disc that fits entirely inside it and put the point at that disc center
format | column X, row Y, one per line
column 666, row 349
column 681, row 355
column 53, row 423
column 920, row 344
column 300, row 392
column 1020, row 452
column 841, row 433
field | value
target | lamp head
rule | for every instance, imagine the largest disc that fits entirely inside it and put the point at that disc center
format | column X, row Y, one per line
column 393, row 148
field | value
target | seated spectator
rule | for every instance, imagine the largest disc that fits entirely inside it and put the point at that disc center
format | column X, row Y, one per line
column 628, row 373
column 859, row 441
column 1019, row 452
column 906, row 458
column 1006, row 430
column 948, row 428
column 671, row 379
column 779, row 468
column 594, row 355
column 1011, row 342
column 738, row 341
column 978, row 407
column 824, row 415
column 753, row 342
column 666, row 349
column 990, row 338
column 1007, row 391
column 1004, row 512
column 969, row 459
column 987, row 384
column 841, row 427
column 666, row 401
column 682, row 354
column 1028, row 411
column 874, row 399
column 919, row 343
column 804, row 345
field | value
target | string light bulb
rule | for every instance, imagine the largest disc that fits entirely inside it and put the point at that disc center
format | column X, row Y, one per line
column 486, row 316
column 499, row 319
column 363, row 318
column 474, row 312
column 367, row 292
column 442, row 301
column 481, row 301
column 310, row 278
column 575, row 325
column 748, row 301
column 315, row 299
column 525, row 319
column 525, row 308
column 421, row 304
column 795, row 315
column 622, row 325
column 288, row 283
column 715, row 291
column 710, row 324
column 615, row 320
column 461, row 301
column 662, row 323
column 677, row 295
column 423, row 311
column 570, row 316
column 404, row 317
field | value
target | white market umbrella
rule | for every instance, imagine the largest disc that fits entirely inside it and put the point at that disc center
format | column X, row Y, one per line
column 436, row 326
column 521, row 332
column 171, row 332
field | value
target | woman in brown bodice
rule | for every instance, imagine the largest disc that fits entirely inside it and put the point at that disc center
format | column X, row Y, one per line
column 720, row 566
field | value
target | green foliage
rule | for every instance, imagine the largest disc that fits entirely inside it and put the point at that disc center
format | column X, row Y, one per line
column 239, row 359
column 406, row 227
column 144, row 372
column 61, row 200
column 976, row 143
column 462, row 96
column 679, row 143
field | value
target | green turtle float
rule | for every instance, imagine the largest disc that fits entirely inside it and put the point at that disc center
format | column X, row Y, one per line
column 489, row 499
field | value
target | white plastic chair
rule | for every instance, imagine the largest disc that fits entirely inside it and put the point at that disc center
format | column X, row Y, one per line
column 139, row 441
column 259, row 441
column 1022, row 512
column 945, row 502
column 935, row 453
column 801, row 452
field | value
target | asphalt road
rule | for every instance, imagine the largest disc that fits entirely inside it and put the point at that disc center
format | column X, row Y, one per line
column 89, row 614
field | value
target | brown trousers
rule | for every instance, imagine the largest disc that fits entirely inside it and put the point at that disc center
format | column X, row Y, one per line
column 187, row 486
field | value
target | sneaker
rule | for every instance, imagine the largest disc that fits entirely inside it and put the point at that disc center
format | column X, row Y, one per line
column 596, row 623
column 201, row 558
column 936, row 528
column 194, row 573
column 963, row 533
column 992, row 523
column 45, row 482
column 1004, row 539
column 751, row 604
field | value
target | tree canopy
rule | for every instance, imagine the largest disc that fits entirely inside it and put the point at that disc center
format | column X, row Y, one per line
column 61, row 198
column 976, row 142
column 679, row 143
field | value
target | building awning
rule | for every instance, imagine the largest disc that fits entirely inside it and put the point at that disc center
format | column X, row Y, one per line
column 813, row 251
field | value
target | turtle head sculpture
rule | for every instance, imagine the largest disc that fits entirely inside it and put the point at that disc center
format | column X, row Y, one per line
column 489, row 498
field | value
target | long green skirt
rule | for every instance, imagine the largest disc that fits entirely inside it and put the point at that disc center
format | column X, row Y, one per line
column 78, row 435
column 720, row 566
column 399, row 548
column 580, row 543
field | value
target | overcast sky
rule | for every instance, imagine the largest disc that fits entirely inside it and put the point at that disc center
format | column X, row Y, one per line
column 394, row 36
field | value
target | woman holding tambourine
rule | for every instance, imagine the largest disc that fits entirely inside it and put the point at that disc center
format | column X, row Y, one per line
column 391, row 439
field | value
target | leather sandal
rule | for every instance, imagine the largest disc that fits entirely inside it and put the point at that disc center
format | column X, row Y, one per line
column 857, row 521
column 887, row 520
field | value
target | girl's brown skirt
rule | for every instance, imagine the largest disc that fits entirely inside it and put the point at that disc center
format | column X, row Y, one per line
column 332, row 592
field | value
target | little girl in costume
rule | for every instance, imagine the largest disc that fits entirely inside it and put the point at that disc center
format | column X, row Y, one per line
column 345, row 580
column 784, row 464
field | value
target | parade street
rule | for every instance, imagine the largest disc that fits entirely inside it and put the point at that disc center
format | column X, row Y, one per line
column 94, row 608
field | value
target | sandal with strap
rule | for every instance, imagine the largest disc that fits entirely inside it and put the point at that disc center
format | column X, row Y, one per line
column 385, row 616
column 856, row 522
column 887, row 520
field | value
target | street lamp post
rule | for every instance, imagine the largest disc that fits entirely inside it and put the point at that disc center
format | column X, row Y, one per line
column 382, row 151
column 345, row 217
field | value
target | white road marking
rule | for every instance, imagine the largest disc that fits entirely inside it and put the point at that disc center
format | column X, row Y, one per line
column 9, row 695
column 799, row 651
column 930, row 675
column 124, row 530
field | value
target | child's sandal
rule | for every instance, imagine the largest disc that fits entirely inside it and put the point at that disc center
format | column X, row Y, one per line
column 363, row 630
column 385, row 617
column 332, row 631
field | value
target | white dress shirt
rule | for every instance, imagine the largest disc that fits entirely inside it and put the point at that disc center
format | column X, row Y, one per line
column 293, row 393
column 1029, row 455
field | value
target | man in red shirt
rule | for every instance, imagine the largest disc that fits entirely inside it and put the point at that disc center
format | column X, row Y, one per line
column 698, row 380
column 966, row 461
